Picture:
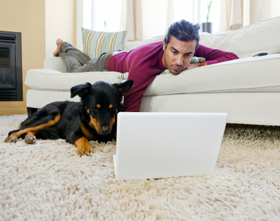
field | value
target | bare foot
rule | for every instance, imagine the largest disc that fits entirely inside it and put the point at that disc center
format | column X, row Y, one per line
column 57, row 51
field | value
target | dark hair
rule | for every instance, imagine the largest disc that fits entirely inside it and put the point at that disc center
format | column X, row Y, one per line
column 183, row 31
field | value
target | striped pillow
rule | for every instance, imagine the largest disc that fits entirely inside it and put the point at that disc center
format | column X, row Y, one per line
column 95, row 43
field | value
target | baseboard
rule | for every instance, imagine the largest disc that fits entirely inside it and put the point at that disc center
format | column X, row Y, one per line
column 12, row 111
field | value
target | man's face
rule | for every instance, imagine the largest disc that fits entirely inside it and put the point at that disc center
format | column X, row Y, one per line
column 178, row 54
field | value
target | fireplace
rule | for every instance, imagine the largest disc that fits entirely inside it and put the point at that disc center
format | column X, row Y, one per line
column 10, row 66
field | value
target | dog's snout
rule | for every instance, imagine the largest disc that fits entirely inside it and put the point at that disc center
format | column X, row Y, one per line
column 105, row 129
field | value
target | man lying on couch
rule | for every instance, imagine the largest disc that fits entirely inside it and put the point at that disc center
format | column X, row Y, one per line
column 144, row 63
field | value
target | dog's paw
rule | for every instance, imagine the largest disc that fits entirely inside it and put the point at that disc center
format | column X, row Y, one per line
column 30, row 138
column 11, row 139
column 83, row 146
column 84, row 150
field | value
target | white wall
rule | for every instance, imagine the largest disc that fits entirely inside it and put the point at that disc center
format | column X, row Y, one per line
column 275, row 11
column 83, row 19
column 60, row 23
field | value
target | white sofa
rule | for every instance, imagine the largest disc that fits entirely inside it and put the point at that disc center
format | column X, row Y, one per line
column 247, row 89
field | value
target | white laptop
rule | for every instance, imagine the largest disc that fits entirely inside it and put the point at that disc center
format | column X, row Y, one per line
column 157, row 145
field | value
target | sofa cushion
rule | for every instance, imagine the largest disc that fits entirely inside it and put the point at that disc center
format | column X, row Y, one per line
column 243, row 75
column 134, row 44
column 46, row 79
column 95, row 43
column 258, row 74
column 244, row 42
column 247, row 41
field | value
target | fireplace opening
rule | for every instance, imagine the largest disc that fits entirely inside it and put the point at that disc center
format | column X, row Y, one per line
column 10, row 66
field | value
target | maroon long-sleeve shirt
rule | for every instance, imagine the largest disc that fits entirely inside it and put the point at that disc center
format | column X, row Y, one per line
column 145, row 63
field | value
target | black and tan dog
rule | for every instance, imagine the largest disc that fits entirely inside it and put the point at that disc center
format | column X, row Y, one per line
column 94, row 118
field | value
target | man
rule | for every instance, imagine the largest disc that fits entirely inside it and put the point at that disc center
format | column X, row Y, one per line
column 144, row 63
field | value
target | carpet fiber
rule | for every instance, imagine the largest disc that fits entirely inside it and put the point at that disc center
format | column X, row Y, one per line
column 49, row 181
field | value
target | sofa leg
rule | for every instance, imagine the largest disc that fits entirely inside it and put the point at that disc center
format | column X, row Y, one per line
column 31, row 110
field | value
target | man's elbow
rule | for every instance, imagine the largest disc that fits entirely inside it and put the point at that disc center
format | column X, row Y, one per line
column 232, row 56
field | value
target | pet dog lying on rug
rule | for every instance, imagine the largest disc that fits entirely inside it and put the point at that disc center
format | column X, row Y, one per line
column 94, row 118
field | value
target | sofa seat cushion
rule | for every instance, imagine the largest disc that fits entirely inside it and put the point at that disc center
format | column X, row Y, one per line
column 242, row 75
column 257, row 74
column 46, row 79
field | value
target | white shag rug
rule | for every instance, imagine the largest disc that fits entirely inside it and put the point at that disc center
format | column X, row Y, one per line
column 49, row 181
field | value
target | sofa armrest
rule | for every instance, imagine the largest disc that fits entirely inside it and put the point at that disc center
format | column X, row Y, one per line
column 55, row 63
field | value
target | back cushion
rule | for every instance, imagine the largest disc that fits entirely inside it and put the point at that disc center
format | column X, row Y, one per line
column 245, row 42
column 134, row 44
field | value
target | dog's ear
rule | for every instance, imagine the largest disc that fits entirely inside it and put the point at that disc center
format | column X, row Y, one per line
column 124, row 87
column 82, row 90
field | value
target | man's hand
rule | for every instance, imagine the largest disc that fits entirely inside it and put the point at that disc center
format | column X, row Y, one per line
column 191, row 66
